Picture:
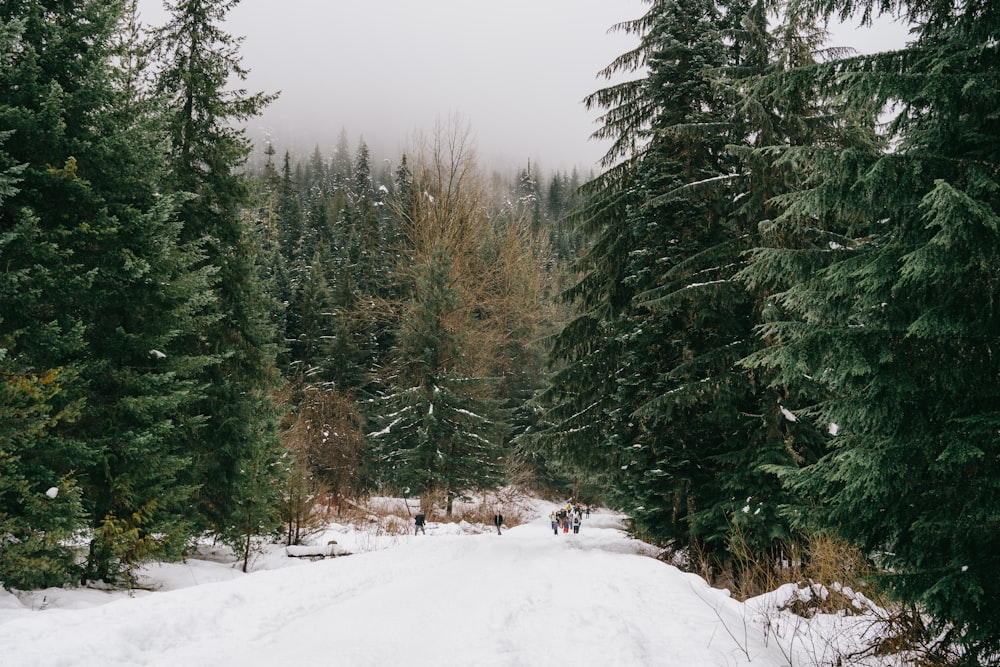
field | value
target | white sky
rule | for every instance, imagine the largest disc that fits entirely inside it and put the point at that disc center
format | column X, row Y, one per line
column 514, row 71
column 460, row 595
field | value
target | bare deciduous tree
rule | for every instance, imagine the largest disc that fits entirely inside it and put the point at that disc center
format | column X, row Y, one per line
column 323, row 439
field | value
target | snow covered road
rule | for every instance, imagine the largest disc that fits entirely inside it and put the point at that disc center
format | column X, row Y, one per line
column 523, row 598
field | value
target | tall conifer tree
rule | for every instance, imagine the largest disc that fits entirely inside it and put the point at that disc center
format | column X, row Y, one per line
column 437, row 426
column 207, row 155
column 884, row 267
column 119, row 290
column 436, row 435
column 651, row 369
column 34, row 525
column 289, row 211
column 649, row 377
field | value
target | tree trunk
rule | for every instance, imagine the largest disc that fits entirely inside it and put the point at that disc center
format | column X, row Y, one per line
column 246, row 553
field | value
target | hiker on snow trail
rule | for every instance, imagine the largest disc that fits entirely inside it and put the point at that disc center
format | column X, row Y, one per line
column 498, row 521
column 419, row 522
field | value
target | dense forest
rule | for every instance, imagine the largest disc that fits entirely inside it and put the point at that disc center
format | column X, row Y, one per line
column 766, row 325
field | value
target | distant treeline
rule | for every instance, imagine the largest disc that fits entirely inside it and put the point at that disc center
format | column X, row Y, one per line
column 190, row 347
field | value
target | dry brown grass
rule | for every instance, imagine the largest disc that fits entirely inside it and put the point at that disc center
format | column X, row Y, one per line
column 394, row 516
column 835, row 578
column 510, row 503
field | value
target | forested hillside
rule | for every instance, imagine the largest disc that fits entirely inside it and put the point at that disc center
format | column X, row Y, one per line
column 767, row 326
column 415, row 299
column 786, row 322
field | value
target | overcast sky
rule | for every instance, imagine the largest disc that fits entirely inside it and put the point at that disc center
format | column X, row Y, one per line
column 514, row 71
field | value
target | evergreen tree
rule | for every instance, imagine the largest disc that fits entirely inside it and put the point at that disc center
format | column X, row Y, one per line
column 404, row 203
column 883, row 266
column 402, row 207
column 527, row 197
column 34, row 522
column 199, row 59
column 289, row 211
column 366, row 228
column 362, row 240
column 312, row 318
column 319, row 230
column 341, row 165
column 269, row 229
column 118, row 291
column 435, row 434
column 37, row 521
column 258, row 494
column 649, row 369
column 688, row 321
column 441, row 393
column 316, row 180
column 620, row 354
column 562, row 199
column 555, row 199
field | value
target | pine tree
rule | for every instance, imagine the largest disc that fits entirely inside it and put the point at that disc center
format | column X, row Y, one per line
column 341, row 165
column 272, row 267
column 883, row 265
column 439, row 428
column 319, row 228
column 313, row 319
column 289, row 211
column 199, row 59
column 37, row 522
column 315, row 179
column 649, row 369
column 562, row 199
column 258, row 494
column 34, row 522
column 684, row 326
column 367, row 284
column 623, row 354
column 366, row 227
column 436, row 435
column 117, row 292
column 527, row 197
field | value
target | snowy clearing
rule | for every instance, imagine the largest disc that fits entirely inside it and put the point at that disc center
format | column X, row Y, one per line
column 461, row 595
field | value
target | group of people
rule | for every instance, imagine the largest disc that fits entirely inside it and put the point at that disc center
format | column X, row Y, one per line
column 420, row 521
column 569, row 517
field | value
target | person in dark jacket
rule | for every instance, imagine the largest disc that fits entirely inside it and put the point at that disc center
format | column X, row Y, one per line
column 419, row 522
column 498, row 521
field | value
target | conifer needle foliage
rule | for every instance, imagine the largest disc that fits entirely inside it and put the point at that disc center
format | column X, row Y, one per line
column 786, row 315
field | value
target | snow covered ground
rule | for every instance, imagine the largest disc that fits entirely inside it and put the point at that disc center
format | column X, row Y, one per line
column 461, row 595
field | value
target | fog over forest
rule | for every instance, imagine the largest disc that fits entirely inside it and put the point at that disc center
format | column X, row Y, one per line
column 389, row 70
